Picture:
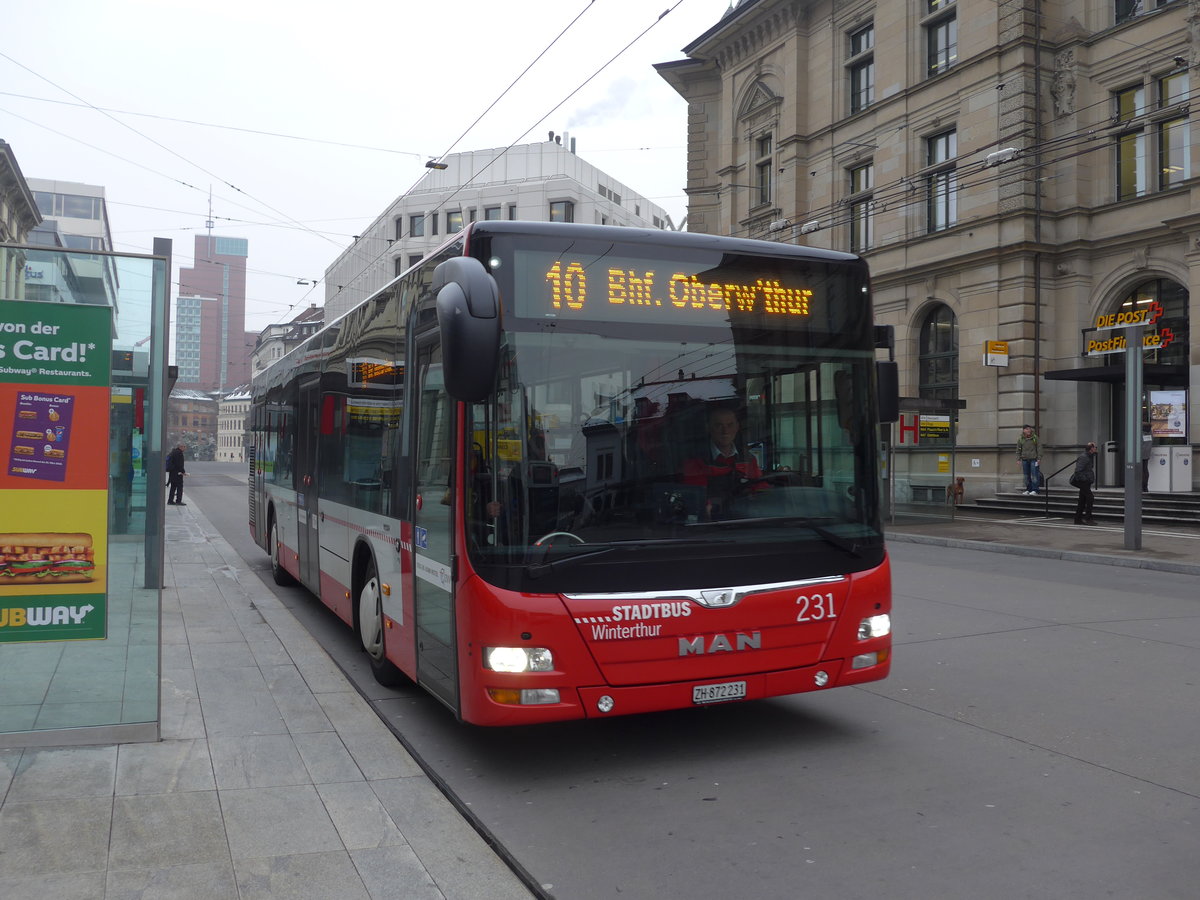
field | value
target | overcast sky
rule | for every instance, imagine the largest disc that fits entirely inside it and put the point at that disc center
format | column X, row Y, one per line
column 307, row 118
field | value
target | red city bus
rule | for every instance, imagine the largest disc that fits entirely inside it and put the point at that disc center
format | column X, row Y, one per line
column 558, row 471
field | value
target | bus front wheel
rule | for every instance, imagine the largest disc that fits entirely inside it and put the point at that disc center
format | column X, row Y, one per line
column 370, row 629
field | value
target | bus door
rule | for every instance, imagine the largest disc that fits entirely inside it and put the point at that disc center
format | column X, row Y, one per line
column 433, row 528
column 308, row 429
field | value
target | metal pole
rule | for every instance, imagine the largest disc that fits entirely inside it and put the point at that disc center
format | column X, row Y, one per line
column 1133, row 437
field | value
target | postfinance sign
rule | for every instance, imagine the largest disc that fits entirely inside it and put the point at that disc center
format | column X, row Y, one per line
column 1118, row 344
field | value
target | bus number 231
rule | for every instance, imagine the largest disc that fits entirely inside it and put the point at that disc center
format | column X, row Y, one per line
column 815, row 608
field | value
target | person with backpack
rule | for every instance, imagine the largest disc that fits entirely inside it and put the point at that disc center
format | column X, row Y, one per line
column 1083, row 478
column 175, row 473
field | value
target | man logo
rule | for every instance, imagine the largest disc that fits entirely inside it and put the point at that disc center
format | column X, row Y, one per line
column 720, row 643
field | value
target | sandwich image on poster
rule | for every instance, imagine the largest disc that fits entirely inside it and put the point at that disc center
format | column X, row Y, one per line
column 46, row 558
column 41, row 435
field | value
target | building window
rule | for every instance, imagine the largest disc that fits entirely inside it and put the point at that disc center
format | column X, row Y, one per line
column 862, row 182
column 416, row 226
column 512, row 211
column 1173, row 153
column 491, row 213
column 941, row 35
column 433, row 223
column 1174, row 134
column 1131, row 143
column 397, row 266
column 941, row 186
column 763, row 163
column 400, row 228
column 1173, row 298
column 937, row 378
column 454, row 221
column 1124, row 10
column 414, row 258
column 862, row 68
column 71, row 206
column 1169, row 130
column 562, row 211
column 1167, row 125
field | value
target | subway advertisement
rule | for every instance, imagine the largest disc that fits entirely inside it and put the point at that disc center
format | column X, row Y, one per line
column 55, row 377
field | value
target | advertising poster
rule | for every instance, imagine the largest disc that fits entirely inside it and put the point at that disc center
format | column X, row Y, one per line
column 1168, row 414
column 55, row 372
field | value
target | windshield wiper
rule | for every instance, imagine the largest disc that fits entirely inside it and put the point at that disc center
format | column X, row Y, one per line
column 830, row 537
column 538, row 569
column 545, row 567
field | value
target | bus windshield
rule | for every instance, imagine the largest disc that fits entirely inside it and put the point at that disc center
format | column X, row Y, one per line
column 698, row 458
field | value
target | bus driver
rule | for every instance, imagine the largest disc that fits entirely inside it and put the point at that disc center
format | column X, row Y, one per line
column 727, row 470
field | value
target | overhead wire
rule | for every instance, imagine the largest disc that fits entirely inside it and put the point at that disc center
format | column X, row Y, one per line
column 459, row 188
column 159, row 144
column 216, row 125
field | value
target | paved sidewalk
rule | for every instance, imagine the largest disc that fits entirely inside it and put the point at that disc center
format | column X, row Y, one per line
column 273, row 779
column 1163, row 549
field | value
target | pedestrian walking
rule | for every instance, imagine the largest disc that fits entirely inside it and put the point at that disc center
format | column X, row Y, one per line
column 1029, row 454
column 1083, row 478
column 175, row 473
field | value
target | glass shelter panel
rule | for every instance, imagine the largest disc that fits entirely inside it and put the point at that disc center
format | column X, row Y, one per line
column 81, row 562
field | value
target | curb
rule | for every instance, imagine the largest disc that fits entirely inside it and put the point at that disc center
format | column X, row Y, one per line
column 1140, row 562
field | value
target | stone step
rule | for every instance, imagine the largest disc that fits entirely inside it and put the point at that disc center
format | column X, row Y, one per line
column 1110, row 506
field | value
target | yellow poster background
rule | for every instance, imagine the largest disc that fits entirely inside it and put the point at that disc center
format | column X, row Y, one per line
column 58, row 511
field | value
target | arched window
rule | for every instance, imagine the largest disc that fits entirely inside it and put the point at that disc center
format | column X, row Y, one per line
column 937, row 376
column 1173, row 298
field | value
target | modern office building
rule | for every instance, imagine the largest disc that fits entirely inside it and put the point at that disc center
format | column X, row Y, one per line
column 543, row 182
column 74, row 216
column 1011, row 184
column 210, row 316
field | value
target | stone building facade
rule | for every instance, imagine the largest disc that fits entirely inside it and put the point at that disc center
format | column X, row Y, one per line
column 232, row 410
column 1011, row 181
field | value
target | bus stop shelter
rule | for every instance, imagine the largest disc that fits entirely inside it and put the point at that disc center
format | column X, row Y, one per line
column 919, row 451
column 83, row 387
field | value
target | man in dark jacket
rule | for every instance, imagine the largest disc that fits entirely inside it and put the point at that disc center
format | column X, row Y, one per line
column 1083, row 478
column 175, row 473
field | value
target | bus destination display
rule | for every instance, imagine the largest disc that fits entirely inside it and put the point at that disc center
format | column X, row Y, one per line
column 615, row 289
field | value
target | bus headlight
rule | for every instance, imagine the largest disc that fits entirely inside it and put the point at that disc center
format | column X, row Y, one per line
column 875, row 627
column 518, row 659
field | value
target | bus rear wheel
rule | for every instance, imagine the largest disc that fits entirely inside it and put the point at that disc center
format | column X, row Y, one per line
column 279, row 574
column 370, row 629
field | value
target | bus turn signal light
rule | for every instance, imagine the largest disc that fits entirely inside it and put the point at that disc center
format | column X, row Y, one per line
column 527, row 697
column 866, row 660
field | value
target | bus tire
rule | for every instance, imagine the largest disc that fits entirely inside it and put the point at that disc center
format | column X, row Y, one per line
column 369, row 614
column 279, row 574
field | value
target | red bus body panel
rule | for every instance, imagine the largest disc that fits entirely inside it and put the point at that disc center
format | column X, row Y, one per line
column 650, row 659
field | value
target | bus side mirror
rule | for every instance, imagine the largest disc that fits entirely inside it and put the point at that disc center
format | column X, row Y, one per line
column 468, row 313
column 887, row 383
